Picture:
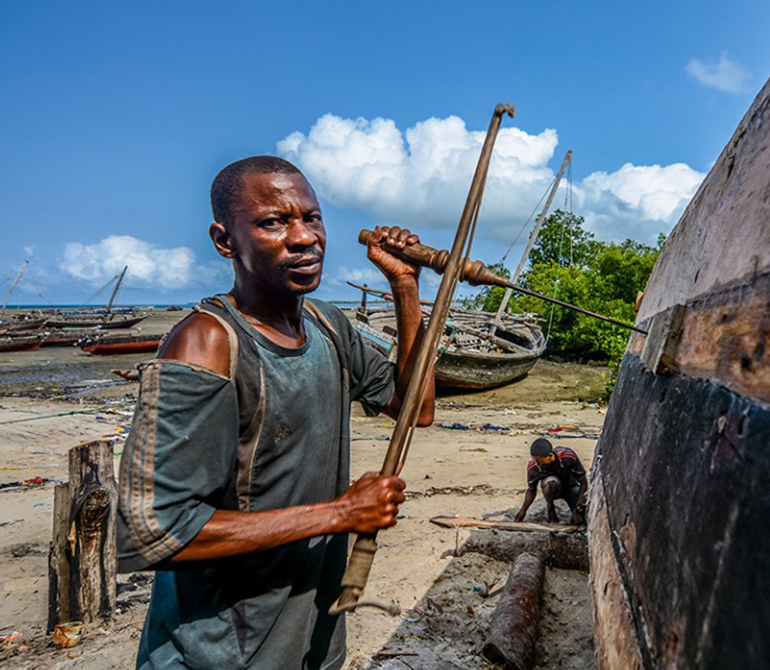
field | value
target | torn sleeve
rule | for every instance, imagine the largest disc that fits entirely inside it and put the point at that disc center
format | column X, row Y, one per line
column 178, row 462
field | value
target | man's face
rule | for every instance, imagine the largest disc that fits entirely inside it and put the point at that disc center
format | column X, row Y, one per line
column 545, row 460
column 277, row 234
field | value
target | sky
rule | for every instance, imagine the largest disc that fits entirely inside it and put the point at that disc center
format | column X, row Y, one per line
column 115, row 117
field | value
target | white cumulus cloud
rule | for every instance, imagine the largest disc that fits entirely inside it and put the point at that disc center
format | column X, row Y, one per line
column 723, row 75
column 637, row 201
column 148, row 265
column 421, row 176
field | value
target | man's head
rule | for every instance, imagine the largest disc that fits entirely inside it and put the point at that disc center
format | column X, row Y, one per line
column 268, row 221
column 542, row 451
column 228, row 184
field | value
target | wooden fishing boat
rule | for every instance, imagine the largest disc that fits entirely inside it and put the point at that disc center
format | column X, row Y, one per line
column 62, row 337
column 680, row 553
column 110, row 345
column 21, row 342
column 469, row 357
column 108, row 318
column 21, row 326
column 107, row 321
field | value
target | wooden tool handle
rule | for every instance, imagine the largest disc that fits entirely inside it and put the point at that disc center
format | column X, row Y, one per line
column 474, row 273
column 357, row 573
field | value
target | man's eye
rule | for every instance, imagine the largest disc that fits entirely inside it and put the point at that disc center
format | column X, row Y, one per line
column 269, row 223
column 315, row 219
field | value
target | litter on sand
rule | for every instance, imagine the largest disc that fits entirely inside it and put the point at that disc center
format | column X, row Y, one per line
column 35, row 481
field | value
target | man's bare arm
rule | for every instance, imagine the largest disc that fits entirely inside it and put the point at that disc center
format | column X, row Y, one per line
column 529, row 498
column 370, row 504
column 403, row 278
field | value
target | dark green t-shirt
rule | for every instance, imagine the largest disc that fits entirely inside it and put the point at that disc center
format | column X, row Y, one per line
column 274, row 434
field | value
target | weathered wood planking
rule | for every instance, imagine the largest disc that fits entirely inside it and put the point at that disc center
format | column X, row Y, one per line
column 680, row 554
column 58, row 564
column 82, row 557
column 92, row 541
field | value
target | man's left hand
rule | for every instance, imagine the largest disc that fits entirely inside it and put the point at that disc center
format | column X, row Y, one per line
column 383, row 240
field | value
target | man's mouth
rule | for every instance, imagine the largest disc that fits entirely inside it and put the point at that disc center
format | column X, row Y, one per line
column 309, row 264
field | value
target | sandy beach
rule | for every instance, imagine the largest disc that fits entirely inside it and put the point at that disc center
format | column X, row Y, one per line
column 471, row 462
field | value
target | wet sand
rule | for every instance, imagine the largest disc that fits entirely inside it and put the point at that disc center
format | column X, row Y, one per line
column 471, row 462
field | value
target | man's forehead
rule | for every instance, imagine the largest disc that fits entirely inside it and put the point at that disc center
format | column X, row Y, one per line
column 272, row 188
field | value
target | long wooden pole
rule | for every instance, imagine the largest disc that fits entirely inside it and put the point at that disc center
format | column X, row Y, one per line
column 115, row 290
column 533, row 238
column 362, row 555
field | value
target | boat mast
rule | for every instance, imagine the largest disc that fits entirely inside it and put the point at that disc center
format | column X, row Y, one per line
column 115, row 290
column 13, row 285
column 532, row 239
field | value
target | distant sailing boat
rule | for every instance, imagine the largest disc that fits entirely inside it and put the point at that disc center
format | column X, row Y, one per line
column 107, row 319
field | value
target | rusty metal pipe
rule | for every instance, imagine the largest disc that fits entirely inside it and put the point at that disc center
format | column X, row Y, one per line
column 476, row 273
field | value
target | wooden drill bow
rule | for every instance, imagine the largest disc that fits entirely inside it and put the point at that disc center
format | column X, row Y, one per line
column 365, row 546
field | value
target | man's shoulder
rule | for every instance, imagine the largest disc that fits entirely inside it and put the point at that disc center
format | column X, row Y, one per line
column 199, row 339
column 565, row 452
column 532, row 465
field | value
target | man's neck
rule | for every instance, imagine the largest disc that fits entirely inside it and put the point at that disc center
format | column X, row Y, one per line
column 280, row 320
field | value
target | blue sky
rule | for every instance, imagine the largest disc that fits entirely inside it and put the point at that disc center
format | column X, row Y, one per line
column 116, row 116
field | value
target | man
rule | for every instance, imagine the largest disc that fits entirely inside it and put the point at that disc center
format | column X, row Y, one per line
column 561, row 475
column 234, row 483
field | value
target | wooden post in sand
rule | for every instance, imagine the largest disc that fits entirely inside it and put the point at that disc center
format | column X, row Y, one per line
column 83, row 560
column 513, row 629
column 58, row 563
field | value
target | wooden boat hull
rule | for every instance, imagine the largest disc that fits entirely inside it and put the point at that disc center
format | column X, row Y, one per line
column 113, row 346
column 21, row 326
column 680, row 553
column 20, row 343
column 63, row 337
column 94, row 323
column 455, row 370
column 459, row 366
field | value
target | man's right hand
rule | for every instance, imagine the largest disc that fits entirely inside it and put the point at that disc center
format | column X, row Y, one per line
column 371, row 503
column 519, row 516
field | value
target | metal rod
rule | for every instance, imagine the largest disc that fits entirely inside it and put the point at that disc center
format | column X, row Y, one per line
column 362, row 555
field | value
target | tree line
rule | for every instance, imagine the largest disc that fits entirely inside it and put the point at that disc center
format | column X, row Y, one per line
column 568, row 263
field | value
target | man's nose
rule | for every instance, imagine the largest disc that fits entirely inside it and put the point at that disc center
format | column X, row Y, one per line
column 301, row 234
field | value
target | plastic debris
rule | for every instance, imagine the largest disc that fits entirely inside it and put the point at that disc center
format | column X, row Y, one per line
column 68, row 634
column 35, row 481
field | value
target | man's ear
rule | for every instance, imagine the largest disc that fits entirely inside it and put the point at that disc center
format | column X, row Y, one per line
column 220, row 236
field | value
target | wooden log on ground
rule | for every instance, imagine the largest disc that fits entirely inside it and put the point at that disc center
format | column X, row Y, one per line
column 58, row 564
column 514, row 624
column 91, row 539
column 568, row 551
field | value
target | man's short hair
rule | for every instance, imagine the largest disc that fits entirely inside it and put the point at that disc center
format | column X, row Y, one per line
column 540, row 447
column 227, row 185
